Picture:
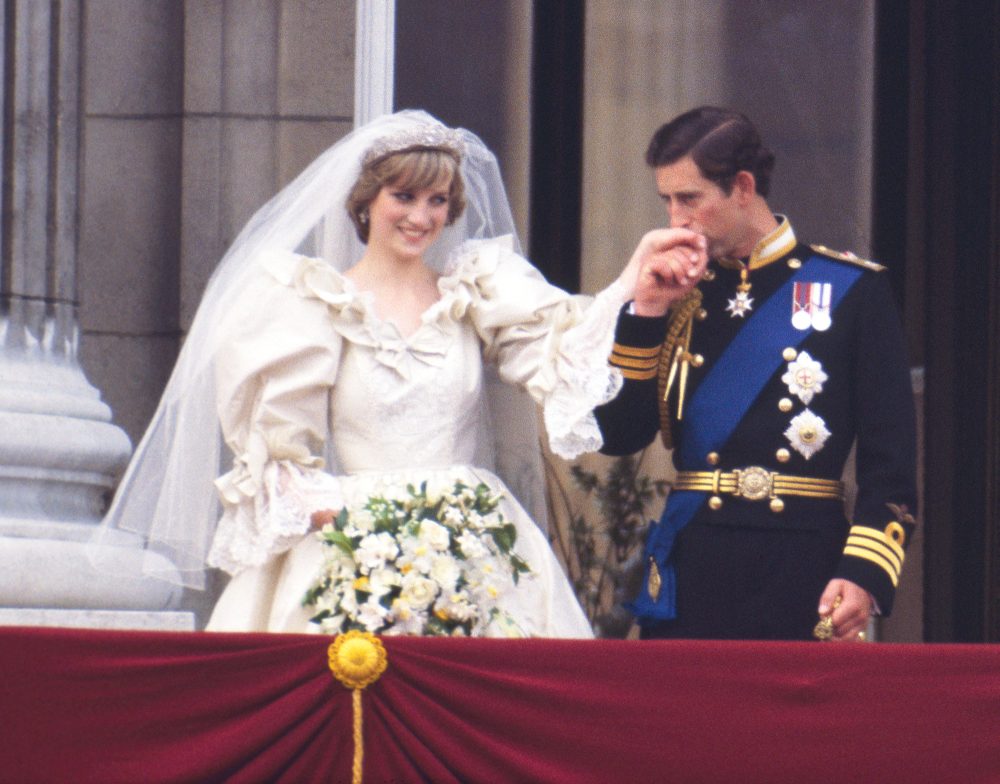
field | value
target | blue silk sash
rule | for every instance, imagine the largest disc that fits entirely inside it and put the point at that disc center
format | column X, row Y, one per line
column 719, row 404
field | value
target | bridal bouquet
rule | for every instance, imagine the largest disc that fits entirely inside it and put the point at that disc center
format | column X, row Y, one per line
column 417, row 562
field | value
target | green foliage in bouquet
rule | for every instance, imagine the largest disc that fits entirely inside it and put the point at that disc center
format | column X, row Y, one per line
column 418, row 561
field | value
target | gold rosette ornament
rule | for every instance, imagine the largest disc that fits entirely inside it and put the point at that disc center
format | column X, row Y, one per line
column 357, row 660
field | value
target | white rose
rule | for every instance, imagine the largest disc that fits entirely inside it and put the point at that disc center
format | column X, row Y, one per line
column 493, row 585
column 454, row 517
column 406, row 619
column 418, row 591
column 468, row 495
column 438, row 488
column 455, row 604
column 329, row 601
column 372, row 615
column 332, row 625
column 472, row 546
column 435, row 535
column 349, row 602
column 361, row 521
column 416, row 555
column 375, row 549
column 381, row 581
column 445, row 571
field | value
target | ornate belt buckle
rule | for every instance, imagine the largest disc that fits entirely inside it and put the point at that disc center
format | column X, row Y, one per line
column 754, row 483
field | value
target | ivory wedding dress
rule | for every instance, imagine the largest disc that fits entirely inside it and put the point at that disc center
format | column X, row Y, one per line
column 321, row 403
column 312, row 357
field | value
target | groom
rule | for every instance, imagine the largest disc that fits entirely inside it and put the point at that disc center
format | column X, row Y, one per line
column 760, row 374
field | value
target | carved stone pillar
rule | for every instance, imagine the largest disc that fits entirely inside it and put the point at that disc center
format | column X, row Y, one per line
column 60, row 455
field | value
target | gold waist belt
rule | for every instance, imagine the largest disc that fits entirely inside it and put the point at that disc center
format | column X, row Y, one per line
column 758, row 484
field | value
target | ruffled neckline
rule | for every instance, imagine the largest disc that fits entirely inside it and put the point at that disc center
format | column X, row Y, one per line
column 464, row 281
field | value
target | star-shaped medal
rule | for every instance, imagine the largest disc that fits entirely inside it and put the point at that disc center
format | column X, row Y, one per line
column 807, row 433
column 805, row 377
column 740, row 305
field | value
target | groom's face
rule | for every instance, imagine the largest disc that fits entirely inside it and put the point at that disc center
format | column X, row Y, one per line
column 696, row 203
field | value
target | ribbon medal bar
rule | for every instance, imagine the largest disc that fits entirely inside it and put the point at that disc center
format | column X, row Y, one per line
column 811, row 306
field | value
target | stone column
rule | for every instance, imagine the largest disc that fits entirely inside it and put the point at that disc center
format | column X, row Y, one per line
column 60, row 455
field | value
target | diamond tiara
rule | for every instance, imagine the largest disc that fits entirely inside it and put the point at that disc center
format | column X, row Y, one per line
column 427, row 137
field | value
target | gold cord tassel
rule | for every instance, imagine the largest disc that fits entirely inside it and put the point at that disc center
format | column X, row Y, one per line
column 685, row 360
column 824, row 629
column 357, row 660
column 359, row 739
column 674, row 357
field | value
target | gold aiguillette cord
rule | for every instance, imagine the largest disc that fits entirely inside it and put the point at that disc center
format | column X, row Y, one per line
column 682, row 360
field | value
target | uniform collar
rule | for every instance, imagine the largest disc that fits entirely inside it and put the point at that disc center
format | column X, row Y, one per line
column 778, row 243
column 770, row 248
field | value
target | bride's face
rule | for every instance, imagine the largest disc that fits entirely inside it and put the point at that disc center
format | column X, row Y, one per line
column 405, row 221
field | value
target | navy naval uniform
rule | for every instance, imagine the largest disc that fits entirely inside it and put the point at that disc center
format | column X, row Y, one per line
column 770, row 369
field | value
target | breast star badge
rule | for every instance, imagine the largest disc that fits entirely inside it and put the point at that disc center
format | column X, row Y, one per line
column 804, row 377
column 807, row 433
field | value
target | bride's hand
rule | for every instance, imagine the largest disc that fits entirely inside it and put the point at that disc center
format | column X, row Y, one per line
column 322, row 517
column 666, row 264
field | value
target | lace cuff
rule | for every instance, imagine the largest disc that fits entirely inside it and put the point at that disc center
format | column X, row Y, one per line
column 585, row 378
column 262, row 518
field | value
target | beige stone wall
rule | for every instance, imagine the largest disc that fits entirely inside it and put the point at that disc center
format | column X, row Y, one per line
column 272, row 87
column 802, row 71
column 647, row 60
column 129, row 211
column 194, row 114
column 470, row 65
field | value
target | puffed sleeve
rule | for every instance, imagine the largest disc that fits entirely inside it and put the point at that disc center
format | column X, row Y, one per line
column 273, row 374
column 552, row 343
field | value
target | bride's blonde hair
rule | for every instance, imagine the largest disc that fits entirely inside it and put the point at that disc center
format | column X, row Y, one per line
column 413, row 169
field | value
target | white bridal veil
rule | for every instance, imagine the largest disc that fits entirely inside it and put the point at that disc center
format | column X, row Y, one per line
column 167, row 495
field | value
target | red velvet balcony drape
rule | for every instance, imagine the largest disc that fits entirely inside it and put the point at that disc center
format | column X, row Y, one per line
column 92, row 706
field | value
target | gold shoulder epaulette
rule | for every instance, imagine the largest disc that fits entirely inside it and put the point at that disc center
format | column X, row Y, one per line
column 850, row 258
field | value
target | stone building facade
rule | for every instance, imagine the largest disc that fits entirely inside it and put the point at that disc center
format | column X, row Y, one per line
column 139, row 136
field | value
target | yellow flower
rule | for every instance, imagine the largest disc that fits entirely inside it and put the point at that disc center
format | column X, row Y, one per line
column 357, row 659
column 361, row 584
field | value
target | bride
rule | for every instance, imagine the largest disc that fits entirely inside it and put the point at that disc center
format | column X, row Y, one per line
column 373, row 328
